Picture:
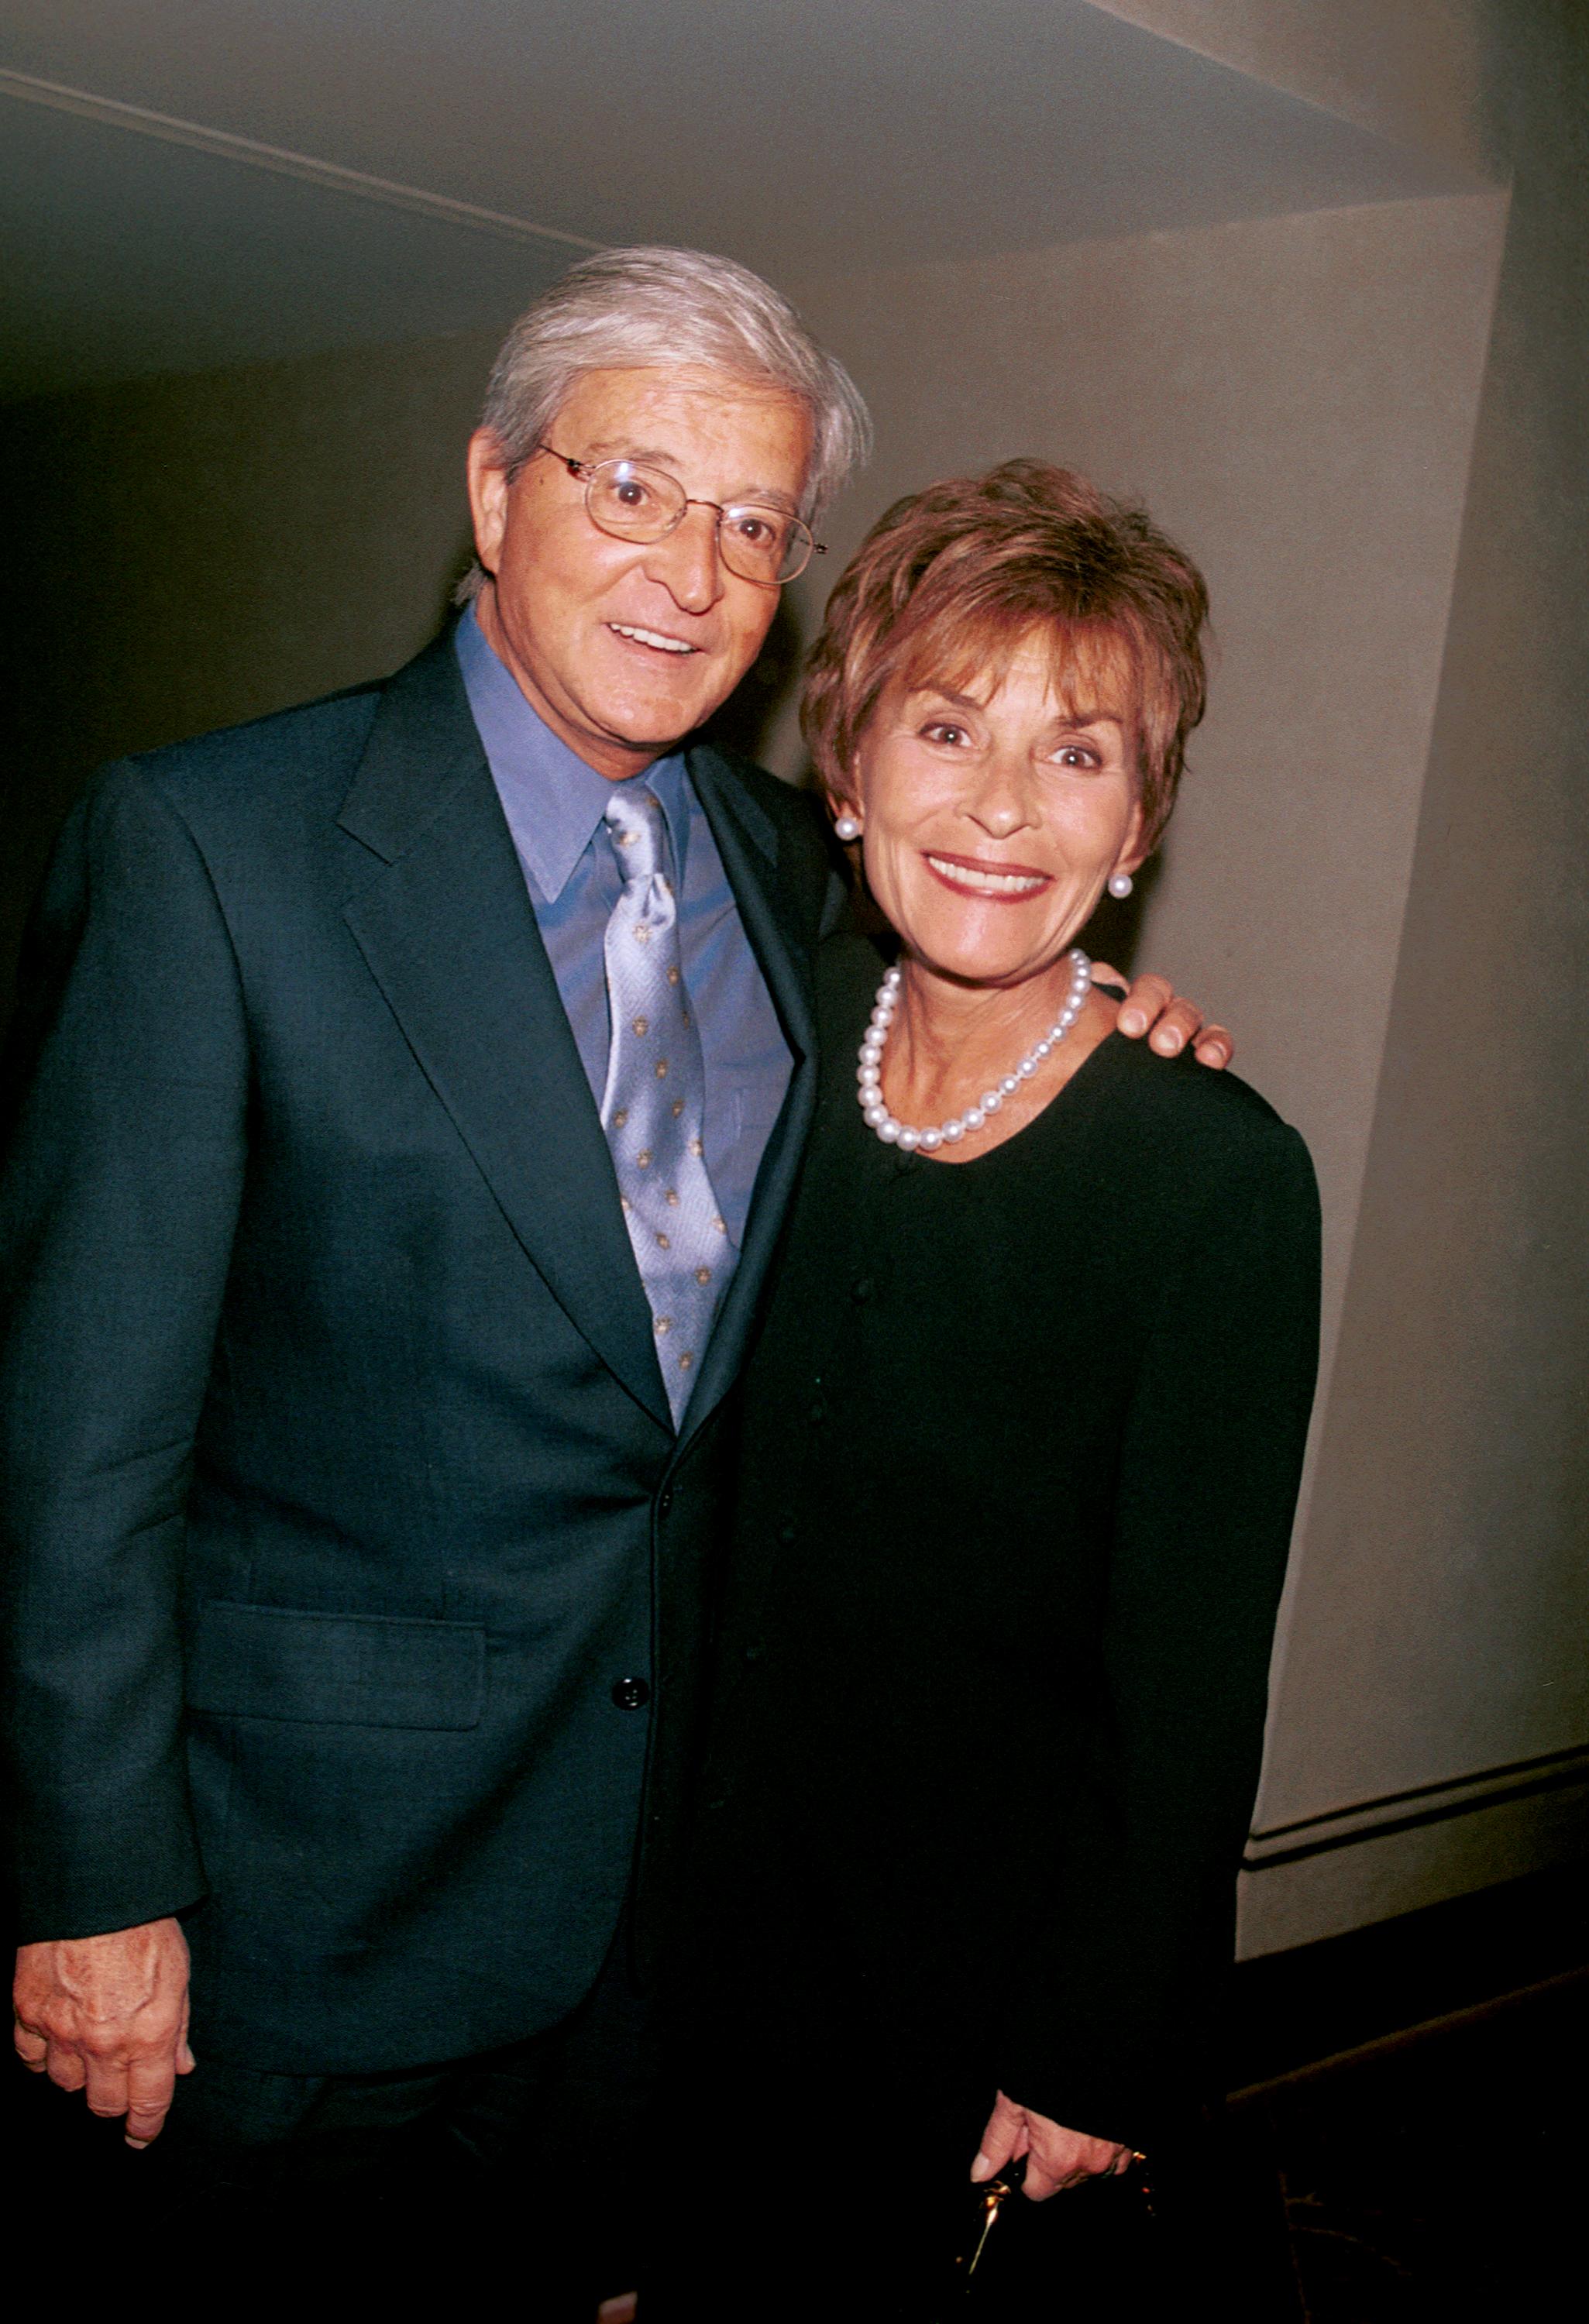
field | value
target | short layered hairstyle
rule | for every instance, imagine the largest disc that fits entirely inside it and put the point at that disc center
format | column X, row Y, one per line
column 952, row 581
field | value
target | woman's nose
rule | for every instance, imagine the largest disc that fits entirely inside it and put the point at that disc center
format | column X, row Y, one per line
column 686, row 561
column 1000, row 803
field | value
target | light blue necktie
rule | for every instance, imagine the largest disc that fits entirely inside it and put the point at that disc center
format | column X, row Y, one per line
column 655, row 1104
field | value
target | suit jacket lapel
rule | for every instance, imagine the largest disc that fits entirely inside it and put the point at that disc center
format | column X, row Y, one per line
column 782, row 940
column 451, row 937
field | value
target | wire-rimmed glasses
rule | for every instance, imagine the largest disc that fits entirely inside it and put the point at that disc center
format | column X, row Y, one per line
column 631, row 500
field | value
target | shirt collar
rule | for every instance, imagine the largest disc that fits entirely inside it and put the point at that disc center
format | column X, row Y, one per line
column 554, row 803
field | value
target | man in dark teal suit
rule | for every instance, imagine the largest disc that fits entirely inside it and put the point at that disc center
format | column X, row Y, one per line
column 414, row 1083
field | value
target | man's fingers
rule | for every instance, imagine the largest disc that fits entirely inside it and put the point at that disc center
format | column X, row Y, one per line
column 105, row 2086
column 31, row 2048
column 1177, row 1025
column 185, row 2058
column 1214, row 1046
column 150, row 2085
column 66, row 2070
column 1145, row 1002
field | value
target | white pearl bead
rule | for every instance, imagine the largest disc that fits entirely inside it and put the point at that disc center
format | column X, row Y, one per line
column 992, row 1100
column 1009, row 1084
column 974, row 1117
column 930, row 1141
column 875, row 1116
column 908, row 1140
column 1025, row 1069
column 954, row 1131
column 888, row 1130
column 1046, row 1046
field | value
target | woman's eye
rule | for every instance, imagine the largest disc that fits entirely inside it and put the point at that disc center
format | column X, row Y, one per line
column 1073, row 754
column 941, row 730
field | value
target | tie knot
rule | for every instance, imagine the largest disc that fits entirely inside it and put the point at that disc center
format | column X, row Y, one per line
column 634, row 818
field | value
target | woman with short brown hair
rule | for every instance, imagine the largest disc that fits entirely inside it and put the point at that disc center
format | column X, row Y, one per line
column 1021, row 1442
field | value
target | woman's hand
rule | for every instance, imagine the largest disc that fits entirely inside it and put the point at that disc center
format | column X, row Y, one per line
column 1056, row 2158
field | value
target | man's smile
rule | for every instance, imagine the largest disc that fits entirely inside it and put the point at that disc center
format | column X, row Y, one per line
column 653, row 638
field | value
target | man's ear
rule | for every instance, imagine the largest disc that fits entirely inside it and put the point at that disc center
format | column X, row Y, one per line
column 488, row 495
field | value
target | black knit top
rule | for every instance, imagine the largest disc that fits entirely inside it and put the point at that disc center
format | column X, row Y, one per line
column 1022, row 1438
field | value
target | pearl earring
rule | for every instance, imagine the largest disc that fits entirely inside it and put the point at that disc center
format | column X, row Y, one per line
column 1120, row 884
column 848, row 827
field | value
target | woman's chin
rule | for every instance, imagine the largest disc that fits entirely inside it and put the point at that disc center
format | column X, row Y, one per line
column 973, row 960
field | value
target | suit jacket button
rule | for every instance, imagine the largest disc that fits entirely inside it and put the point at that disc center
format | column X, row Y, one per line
column 863, row 1290
column 753, row 1649
column 631, row 1693
column 664, row 1500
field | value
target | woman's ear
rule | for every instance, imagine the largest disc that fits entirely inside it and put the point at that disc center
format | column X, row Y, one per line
column 1135, row 847
column 847, row 819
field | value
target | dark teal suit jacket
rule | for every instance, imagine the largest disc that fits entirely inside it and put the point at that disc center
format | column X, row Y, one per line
column 340, row 1484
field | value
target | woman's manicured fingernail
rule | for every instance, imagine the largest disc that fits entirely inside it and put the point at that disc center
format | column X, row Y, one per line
column 1168, row 1042
column 983, row 2168
column 137, row 2145
column 1131, row 1020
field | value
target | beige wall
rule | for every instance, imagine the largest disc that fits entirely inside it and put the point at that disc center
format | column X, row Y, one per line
column 1441, row 1601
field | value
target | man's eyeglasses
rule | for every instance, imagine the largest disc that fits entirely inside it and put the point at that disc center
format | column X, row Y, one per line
column 631, row 501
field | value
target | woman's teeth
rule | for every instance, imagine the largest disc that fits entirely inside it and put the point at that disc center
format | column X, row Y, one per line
column 994, row 883
column 652, row 638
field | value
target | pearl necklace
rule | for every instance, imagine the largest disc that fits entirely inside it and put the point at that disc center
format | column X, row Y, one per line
column 869, row 1073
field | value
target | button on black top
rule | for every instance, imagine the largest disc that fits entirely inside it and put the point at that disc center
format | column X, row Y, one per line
column 665, row 1500
column 862, row 1289
column 631, row 1693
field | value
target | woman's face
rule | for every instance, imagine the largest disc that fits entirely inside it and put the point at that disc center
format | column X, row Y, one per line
column 993, row 817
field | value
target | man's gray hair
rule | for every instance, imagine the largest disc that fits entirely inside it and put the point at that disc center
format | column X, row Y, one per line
column 629, row 310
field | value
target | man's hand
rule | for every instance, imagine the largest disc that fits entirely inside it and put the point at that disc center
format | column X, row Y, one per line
column 1153, row 1006
column 108, row 2015
column 1056, row 2158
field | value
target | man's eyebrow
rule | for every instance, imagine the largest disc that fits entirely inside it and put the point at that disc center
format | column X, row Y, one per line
column 619, row 447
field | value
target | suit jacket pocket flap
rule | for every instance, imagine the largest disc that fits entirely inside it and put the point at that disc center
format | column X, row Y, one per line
column 358, row 1670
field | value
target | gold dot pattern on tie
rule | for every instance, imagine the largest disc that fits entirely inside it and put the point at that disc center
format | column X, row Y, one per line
column 653, row 1109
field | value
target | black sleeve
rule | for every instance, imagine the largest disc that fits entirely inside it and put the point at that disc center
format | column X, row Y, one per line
column 1107, row 2023
column 117, row 1209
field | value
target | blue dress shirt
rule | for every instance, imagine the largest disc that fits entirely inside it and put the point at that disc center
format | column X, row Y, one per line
column 554, row 805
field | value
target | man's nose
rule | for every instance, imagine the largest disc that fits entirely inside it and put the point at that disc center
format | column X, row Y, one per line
column 686, row 561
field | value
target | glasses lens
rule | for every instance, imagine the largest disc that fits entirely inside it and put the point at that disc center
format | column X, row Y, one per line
column 762, row 544
column 633, row 502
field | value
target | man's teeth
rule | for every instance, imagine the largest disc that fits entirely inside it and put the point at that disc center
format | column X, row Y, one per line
column 997, row 883
column 652, row 638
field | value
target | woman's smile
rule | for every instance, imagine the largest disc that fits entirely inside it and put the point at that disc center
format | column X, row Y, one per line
column 1006, row 883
